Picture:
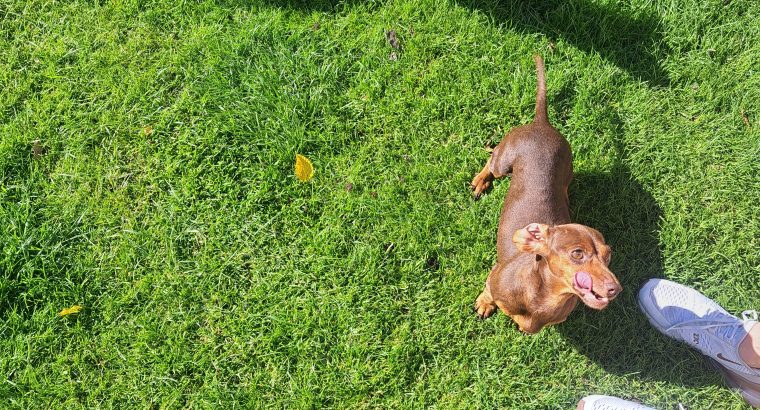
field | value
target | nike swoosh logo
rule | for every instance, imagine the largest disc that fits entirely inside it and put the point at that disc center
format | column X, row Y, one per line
column 720, row 356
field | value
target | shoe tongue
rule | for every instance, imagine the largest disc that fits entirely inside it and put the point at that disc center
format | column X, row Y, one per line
column 732, row 331
column 583, row 280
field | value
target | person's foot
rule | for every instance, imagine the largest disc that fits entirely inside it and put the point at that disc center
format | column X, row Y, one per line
column 691, row 317
column 597, row 402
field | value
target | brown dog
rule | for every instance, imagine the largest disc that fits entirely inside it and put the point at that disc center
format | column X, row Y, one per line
column 544, row 263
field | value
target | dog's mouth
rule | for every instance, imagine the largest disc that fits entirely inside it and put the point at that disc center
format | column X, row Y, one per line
column 584, row 287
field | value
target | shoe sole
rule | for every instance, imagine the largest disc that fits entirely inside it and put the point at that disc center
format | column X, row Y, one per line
column 652, row 321
column 732, row 380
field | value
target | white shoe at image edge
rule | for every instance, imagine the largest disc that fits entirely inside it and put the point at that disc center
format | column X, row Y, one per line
column 598, row 402
column 691, row 317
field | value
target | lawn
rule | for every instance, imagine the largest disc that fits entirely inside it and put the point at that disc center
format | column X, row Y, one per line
column 146, row 174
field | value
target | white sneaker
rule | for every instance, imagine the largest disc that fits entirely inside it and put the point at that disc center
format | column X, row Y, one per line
column 597, row 402
column 691, row 317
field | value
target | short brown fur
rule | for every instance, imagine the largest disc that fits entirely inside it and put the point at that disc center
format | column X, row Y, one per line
column 537, row 246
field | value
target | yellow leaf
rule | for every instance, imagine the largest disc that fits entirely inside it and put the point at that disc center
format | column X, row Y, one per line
column 68, row 311
column 304, row 169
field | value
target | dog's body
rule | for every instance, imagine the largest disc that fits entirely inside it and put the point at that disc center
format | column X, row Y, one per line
column 544, row 263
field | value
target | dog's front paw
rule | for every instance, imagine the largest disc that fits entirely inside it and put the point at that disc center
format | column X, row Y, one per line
column 479, row 184
column 483, row 308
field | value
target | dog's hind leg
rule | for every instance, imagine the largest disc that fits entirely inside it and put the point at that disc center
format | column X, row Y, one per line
column 499, row 165
column 482, row 180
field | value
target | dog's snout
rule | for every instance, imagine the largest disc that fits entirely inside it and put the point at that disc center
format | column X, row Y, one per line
column 612, row 289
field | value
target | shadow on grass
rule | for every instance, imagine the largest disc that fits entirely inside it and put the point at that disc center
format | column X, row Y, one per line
column 619, row 339
column 324, row 6
column 630, row 39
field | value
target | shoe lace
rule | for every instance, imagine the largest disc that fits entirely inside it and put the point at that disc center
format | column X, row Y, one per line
column 749, row 315
column 724, row 326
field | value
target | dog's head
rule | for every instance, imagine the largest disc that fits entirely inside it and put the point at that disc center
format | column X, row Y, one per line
column 577, row 255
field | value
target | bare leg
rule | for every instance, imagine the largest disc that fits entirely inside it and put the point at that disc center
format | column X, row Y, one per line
column 749, row 348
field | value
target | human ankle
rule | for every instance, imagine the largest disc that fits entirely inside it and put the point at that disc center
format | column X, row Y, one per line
column 749, row 347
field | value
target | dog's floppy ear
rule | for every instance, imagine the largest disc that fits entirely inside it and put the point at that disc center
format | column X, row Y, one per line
column 604, row 251
column 606, row 254
column 533, row 238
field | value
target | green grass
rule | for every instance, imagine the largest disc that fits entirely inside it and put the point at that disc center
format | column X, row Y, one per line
column 210, row 277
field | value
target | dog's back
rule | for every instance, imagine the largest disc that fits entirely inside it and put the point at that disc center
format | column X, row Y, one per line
column 541, row 166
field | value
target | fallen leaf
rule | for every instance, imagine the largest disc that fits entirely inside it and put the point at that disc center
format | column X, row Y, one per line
column 349, row 187
column 393, row 56
column 392, row 39
column 36, row 149
column 68, row 311
column 745, row 118
column 304, row 168
column 148, row 130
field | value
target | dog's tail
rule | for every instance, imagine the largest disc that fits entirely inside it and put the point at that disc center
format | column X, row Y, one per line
column 541, row 115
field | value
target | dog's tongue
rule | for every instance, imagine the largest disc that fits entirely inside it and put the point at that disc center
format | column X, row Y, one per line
column 583, row 280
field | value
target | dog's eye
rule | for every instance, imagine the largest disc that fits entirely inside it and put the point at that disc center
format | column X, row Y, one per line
column 577, row 254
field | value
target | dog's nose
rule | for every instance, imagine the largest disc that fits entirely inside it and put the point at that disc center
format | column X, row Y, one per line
column 612, row 289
